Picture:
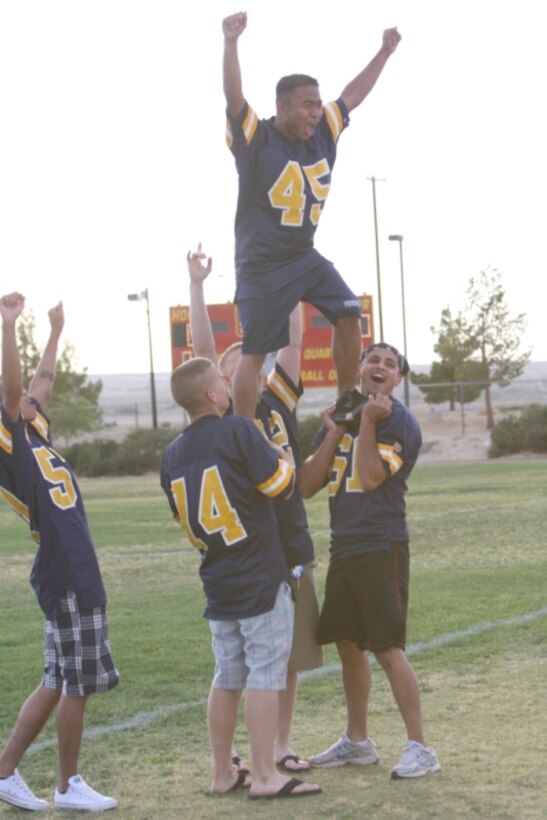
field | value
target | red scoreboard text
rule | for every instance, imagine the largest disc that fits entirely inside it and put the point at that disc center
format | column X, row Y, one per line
column 317, row 365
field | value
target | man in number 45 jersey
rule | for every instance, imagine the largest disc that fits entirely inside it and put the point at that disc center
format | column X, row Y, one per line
column 284, row 166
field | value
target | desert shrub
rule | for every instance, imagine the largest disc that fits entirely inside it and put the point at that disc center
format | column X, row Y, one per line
column 506, row 438
column 534, row 421
column 93, row 458
column 516, row 434
column 307, row 430
column 141, row 451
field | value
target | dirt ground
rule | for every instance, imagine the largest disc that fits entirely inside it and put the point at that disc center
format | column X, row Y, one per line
column 449, row 437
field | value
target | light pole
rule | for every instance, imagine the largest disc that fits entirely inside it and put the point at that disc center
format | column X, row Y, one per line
column 378, row 281
column 396, row 237
column 138, row 297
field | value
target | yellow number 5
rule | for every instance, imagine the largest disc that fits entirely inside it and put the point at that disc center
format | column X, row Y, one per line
column 63, row 494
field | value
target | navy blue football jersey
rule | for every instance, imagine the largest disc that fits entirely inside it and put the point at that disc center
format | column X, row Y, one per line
column 283, row 185
column 220, row 476
column 276, row 411
column 41, row 487
column 364, row 521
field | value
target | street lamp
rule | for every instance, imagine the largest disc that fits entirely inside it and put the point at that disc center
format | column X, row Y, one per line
column 378, row 281
column 138, row 297
column 396, row 237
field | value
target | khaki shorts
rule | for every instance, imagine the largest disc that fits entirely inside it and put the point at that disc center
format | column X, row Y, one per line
column 306, row 653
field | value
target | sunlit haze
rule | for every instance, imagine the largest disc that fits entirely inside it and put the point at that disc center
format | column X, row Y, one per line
column 114, row 163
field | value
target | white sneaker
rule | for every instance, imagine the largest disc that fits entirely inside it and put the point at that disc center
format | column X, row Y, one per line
column 81, row 797
column 14, row 790
column 346, row 751
column 416, row 761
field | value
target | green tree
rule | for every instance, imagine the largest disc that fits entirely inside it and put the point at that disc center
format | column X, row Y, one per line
column 73, row 406
column 454, row 377
column 496, row 335
column 434, row 385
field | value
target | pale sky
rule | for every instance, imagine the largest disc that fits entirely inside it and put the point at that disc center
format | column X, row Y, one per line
column 113, row 161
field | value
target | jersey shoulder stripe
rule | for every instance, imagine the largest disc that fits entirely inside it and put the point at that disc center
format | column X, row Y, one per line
column 334, row 119
column 282, row 389
column 41, row 425
column 387, row 453
column 250, row 124
column 278, row 482
column 229, row 134
column 16, row 504
column 6, row 439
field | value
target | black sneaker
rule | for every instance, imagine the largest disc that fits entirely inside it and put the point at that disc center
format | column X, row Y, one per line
column 348, row 406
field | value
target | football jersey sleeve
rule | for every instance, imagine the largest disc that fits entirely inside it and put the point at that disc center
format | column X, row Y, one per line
column 398, row 441
column 271, row 475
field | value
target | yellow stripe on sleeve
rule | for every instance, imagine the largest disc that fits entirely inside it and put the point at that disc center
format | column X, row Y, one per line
column 282, row 390
column 250, row 124
column 278, row 482
column 229, row 134
column 41, row 425
column 6, row 440
column 388, row 454
column 334, row 119
column 16, row 504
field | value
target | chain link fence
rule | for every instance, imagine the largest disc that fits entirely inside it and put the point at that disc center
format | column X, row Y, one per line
column 126, row 404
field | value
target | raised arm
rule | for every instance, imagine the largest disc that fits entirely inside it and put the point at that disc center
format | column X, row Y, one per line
column 42, row 382
column 232, row 27
column 314, row 472
column 356, row 91
column 11, row 307
column 203, row 339
column 289, row 357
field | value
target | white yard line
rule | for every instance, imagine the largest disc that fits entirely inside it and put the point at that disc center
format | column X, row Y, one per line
column 144, row 718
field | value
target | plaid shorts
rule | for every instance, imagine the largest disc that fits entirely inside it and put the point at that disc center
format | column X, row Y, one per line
column 77, row 655
column 252, row 653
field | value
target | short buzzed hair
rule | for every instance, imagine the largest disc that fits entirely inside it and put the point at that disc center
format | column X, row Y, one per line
column 227, row 355
column 189, row 382
column 288, row 84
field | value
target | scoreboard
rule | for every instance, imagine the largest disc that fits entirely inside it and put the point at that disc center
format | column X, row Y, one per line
column 317, row 365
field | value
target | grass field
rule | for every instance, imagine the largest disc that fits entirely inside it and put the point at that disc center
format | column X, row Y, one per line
column 477, row 638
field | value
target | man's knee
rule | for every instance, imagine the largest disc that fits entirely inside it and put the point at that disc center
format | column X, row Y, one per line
column 349, row 652
column 252, row 361
column 389, row 657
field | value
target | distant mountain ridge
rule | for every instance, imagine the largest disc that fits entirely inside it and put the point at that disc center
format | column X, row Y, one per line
column 126, row 392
